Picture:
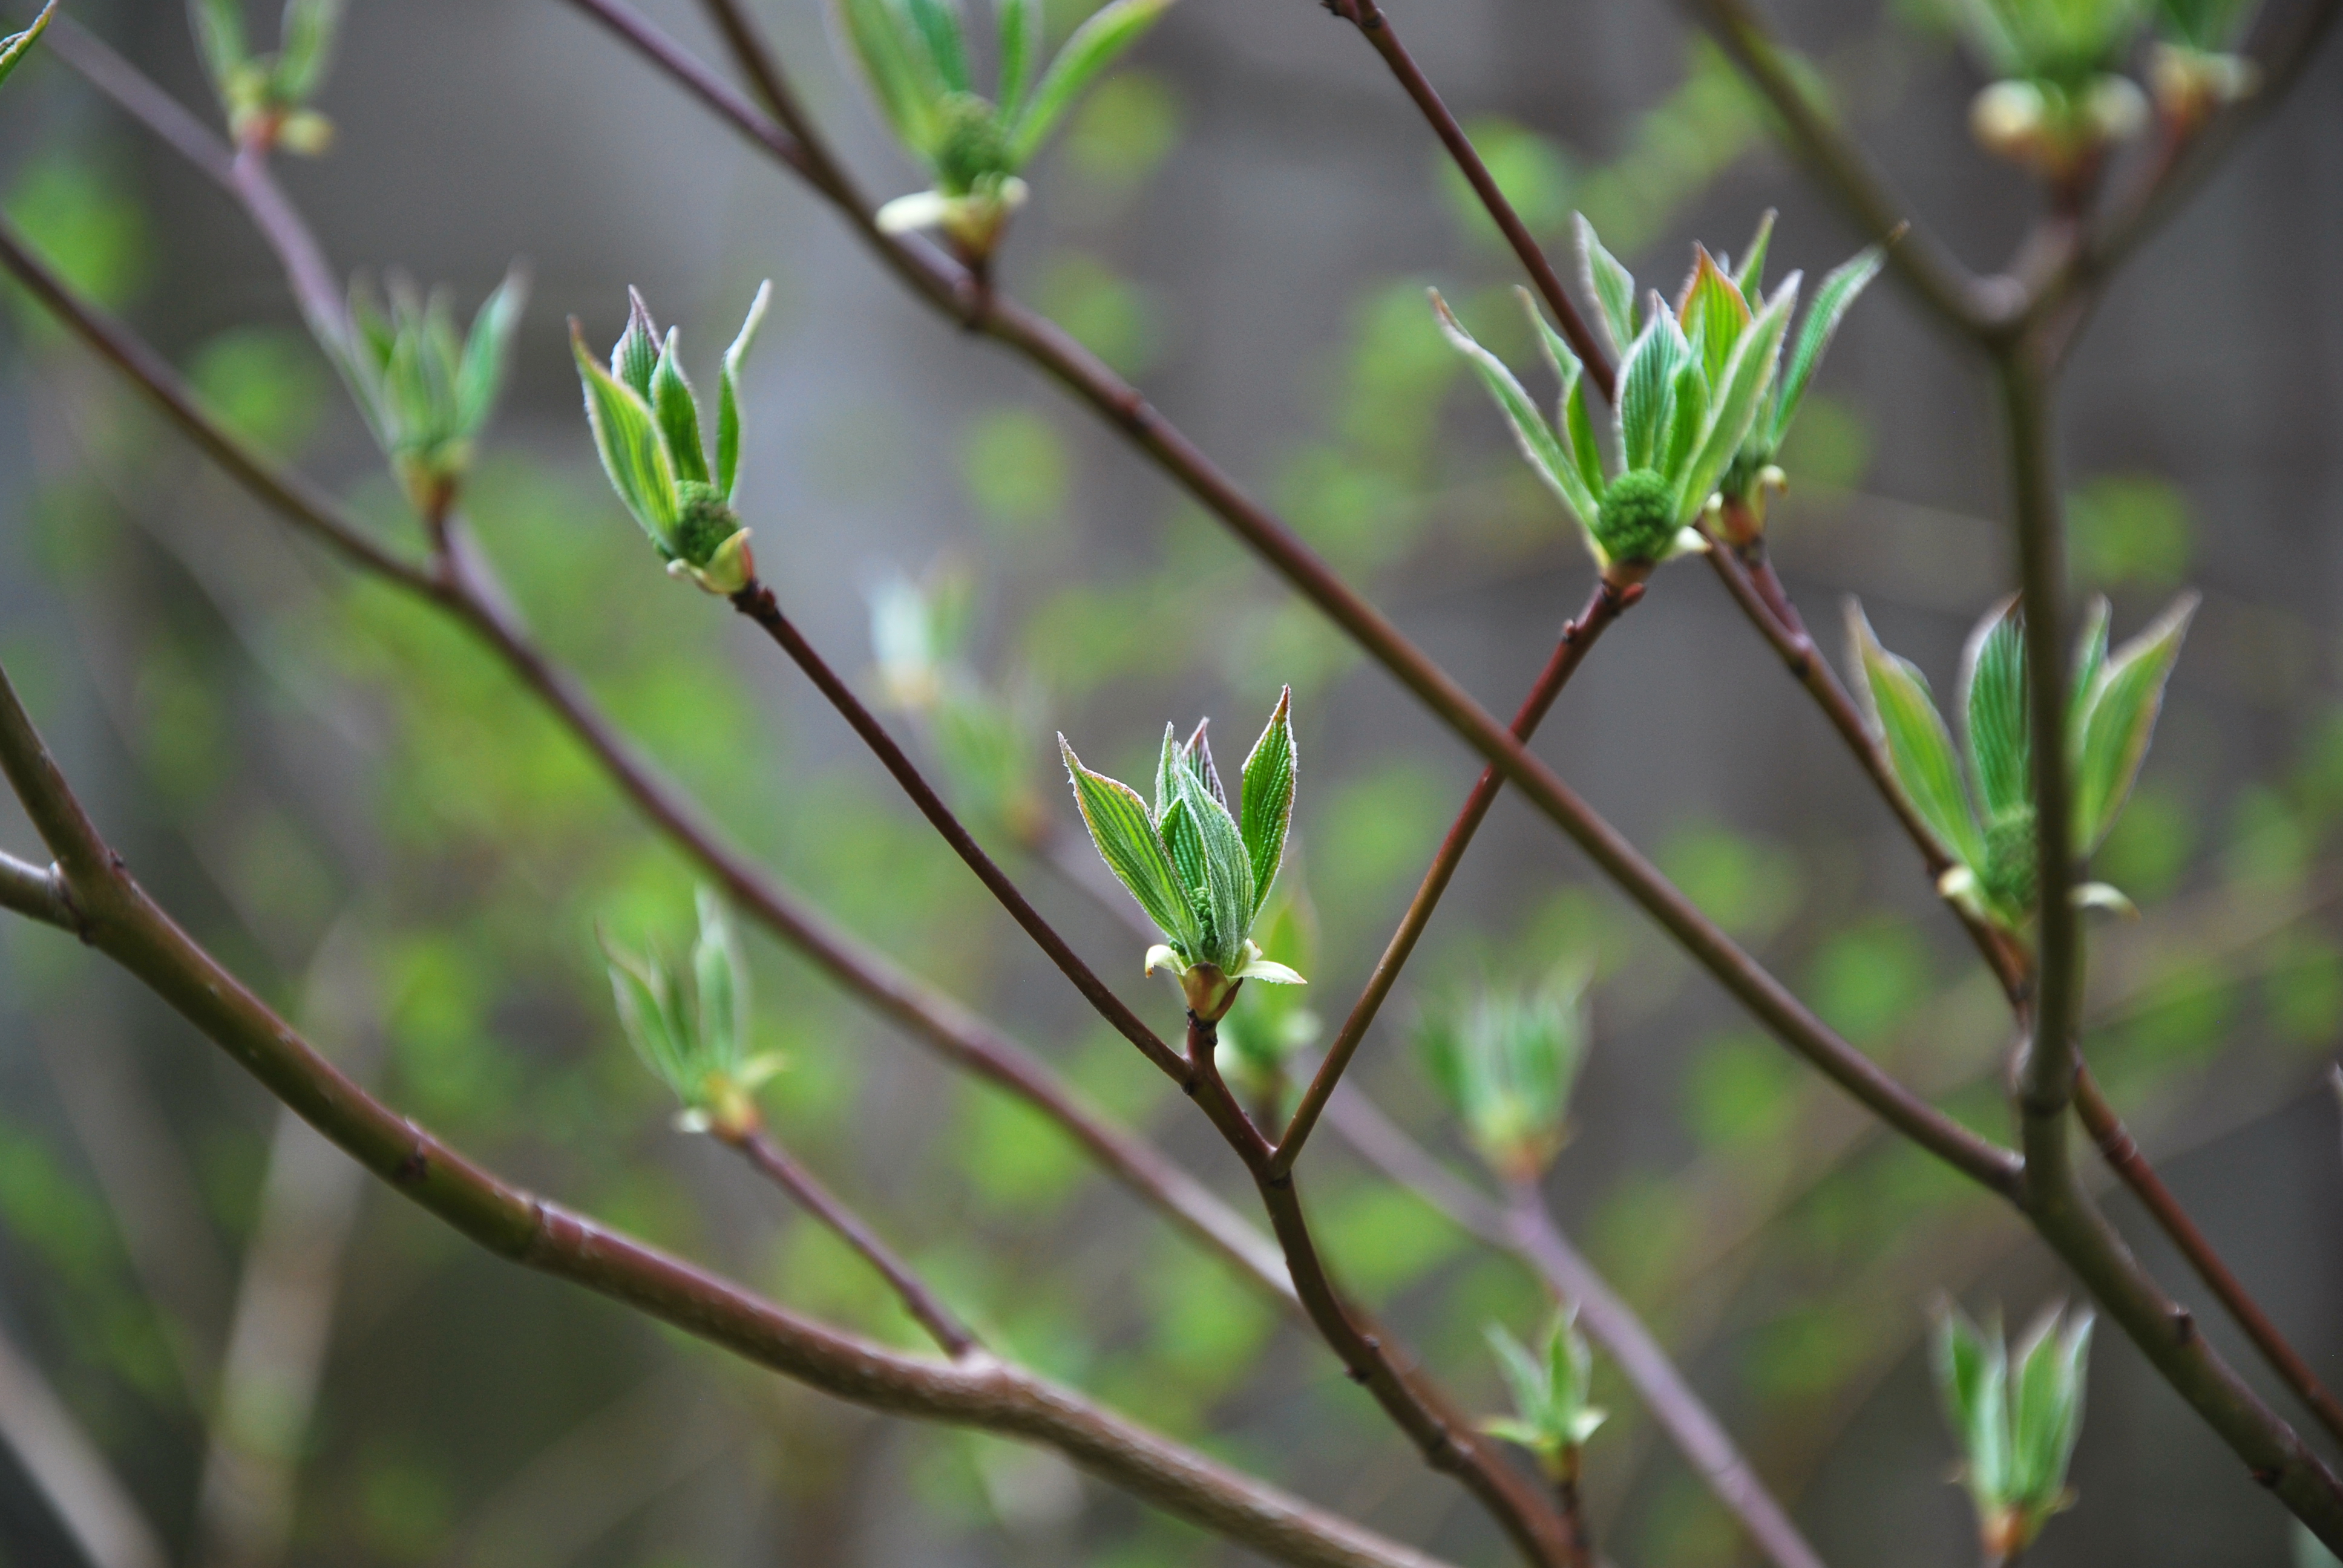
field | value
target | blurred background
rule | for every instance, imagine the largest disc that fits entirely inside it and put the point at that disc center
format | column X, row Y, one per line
column 277, row 1362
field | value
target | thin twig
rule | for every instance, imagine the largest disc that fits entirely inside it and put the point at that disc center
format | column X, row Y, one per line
column 1376, row 28
column 34, row 892
column 1605, row 604
column 757, row 602
column 978, row 1392
column 784, row 1169
column 1444, row 1437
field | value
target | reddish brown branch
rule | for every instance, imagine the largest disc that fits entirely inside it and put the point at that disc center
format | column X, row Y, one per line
column 1376, row 28
column 784, row 1169
column 2122, row 1154
column 757, row 602
column 1605, row 606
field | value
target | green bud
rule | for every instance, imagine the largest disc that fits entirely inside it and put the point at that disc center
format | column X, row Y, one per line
column 1637, row 521
column 973, row 149
column 2010, row 860
column 703, row 521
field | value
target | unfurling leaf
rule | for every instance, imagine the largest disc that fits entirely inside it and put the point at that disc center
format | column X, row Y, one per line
column 2118, row 719
column 1610, row 285
column 629, row 442
column 1097, row 43
column 1536, row 439
column 1126, row 840
column 695, row 1041
column 1919, row 748
column 1993, row 702
column 2015, row 1417
column 728, row 393
column 1549, row 1387
column 1832, row 300
column 678, row 411
column 1266, row 798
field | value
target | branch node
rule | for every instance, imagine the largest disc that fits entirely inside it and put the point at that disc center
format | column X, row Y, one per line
column 2268, row 1476
column 2184, row 1324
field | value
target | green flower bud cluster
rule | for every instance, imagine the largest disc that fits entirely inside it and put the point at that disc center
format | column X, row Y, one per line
column 1200, row 871
column 1984, row 820
column 426, row 392
column 1706, row 395
column 266, row 97
column 2015, row 1415
column 914, row 56
column 646, row 421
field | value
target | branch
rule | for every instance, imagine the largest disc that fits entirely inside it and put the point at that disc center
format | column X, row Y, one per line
column 757, row 602
column 1973, row 306
column 783, row 1170
column 1442, row 1433
column 1604, row 607
column 980, row 1392
column 1376, row 28
column 2051, row 1195
column 467, row 590
column 2122, row 1154
column 1526, row 1228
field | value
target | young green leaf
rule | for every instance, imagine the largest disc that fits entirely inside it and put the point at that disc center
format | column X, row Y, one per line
column 1228, row 887
column 305, row 48
column 678, row 411
column 721, row 977
column 877, row 35
column 1647, row 378
column 728, row 393
column 636, row 353
column 1020, row 50
column 1126, row 840
column 1688, row 413
column 487, row 350
column 1536, row 439
column 650, row 1015
column 1972, row 1379
column 1097, row 43
column 1748, row 371
column 1750, row 279
column 628, row 444
column 1266, row 801
column 936, row 24
column 1919, row 748
column 13, row 48
column 1612, row 286
column 2090, row 657
column 1715, row 315
column 220, row 38
column 2120, row 718
column 1992, row 698
column 1838, row 292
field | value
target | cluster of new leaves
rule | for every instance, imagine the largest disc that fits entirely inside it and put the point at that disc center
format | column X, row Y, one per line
column 266, row 97
column 914, row 54
column 15, row 45
column 427, row 393
column 1700, row 403
column 694, row 1037
column 646, row 421
column 983, row 731
column 1504, row 1059
column 1200, row 872
column 2110, row 718
column 1552, row 1417
column 2015, row 1417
